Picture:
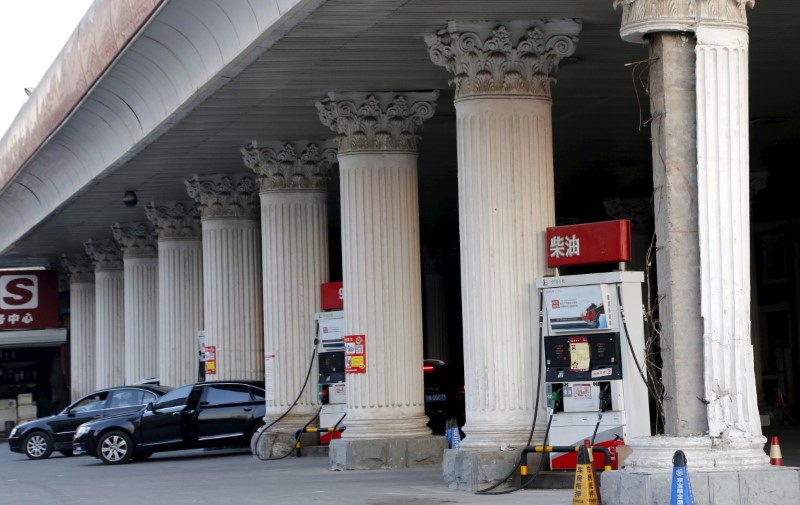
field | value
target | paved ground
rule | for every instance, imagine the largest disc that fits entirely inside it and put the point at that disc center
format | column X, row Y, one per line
column 236, row 477
column 229, row 477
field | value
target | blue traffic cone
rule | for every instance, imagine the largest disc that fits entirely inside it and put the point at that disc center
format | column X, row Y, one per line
column 681, row 488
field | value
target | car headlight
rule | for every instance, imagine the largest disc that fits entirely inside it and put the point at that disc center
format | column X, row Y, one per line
column 82, row 430
column 13, row 432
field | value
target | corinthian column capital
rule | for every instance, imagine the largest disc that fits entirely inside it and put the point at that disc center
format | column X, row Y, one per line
column 377, row 121
column 105, row 254
column 642, row 17
column 175, row 220
column 221, row 196
column 514, row 58
column 136, row 239
column 290, row 166
column 79, row 266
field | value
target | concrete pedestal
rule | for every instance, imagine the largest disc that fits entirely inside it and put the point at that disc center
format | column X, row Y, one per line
column 376, row 454
column 771, row 485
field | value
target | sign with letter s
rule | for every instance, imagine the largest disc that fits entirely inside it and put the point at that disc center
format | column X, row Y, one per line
column 28, row 299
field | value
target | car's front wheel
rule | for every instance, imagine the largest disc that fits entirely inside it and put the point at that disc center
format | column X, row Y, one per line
column 38, row 445
column 115, row 448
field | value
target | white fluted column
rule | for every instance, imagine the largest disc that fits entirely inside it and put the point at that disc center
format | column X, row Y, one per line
column 709, row 378
column 109, row 311
column 294, row 253
column 506, row 202
column 231, row 274
column 180, row 290
column 82, row 324
column 381, row 258
column 724, row 200
column 140, row 261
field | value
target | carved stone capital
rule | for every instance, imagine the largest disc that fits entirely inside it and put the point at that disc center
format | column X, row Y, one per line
column 136, row 239
column 175, row 220
column 105, row 254
column 79, row 267
column 290, row 166
column 377, row 121
column 517, row 58
column 642, row 17
column 221, row 196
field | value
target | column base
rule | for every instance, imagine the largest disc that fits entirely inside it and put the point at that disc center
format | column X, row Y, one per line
column 475, row 469
column 702, row 453
column 376, row 454
column 722, row 471
column 771, row 485
column 276, row 442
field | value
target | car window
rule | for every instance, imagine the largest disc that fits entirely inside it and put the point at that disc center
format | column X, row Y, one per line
column 227, row 393
column 94, row 401
column 258, row 394
column 130, row 398
column 174, row 398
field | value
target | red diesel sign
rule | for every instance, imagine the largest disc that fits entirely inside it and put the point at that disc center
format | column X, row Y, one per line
column 332, row 296
column 583, row 244
column 28, row 300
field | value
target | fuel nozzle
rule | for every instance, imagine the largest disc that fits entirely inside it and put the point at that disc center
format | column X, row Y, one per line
column 555, row 400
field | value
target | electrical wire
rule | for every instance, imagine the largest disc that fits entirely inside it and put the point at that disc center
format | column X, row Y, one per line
column 535, row 412
column 305, row 383
column 628, row 336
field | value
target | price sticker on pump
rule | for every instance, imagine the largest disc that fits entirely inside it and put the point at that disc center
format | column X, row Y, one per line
column 355, row 355
column 579, row 354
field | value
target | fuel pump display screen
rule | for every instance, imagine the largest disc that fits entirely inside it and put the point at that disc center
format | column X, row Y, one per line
column 331, row 367
column 604, row 358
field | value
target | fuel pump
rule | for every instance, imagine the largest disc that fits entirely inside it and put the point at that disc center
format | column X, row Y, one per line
column 330, row 354
column 592, row 336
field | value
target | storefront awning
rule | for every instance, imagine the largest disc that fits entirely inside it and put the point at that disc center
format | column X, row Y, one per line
column 33, row 338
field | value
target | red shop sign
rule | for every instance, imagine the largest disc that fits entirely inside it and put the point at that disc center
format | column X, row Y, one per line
column 584, row 244
column 28, row 299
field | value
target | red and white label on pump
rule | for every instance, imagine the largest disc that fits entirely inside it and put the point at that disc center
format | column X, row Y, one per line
column 355, row 354
column 333, row 296
column 211, row 360
column 584, row 244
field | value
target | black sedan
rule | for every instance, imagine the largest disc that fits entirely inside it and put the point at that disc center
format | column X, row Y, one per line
column 39, row 438
column 206, row 414
column 444, row 395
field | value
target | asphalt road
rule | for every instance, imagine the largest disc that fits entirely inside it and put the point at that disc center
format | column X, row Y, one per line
column 227, row 477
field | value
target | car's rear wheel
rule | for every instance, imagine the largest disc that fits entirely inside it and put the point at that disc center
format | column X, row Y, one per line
column 38, row 445
column 66, row 452
column 115, row 448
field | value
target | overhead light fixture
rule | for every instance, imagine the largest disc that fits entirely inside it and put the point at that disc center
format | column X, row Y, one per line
column 130, row 199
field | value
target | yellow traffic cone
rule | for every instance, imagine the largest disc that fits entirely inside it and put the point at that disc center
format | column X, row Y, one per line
column 586, row 491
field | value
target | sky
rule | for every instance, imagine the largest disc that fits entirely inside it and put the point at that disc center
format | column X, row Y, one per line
column 32, row 33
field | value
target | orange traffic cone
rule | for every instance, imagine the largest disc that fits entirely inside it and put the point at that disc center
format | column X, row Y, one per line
column 775, row 456
column 586, row 491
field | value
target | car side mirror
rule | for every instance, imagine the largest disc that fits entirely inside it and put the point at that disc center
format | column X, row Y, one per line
column 70, row 413
column 151, row 407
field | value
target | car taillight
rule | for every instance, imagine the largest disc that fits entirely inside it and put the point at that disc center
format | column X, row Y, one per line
column 428, row 368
